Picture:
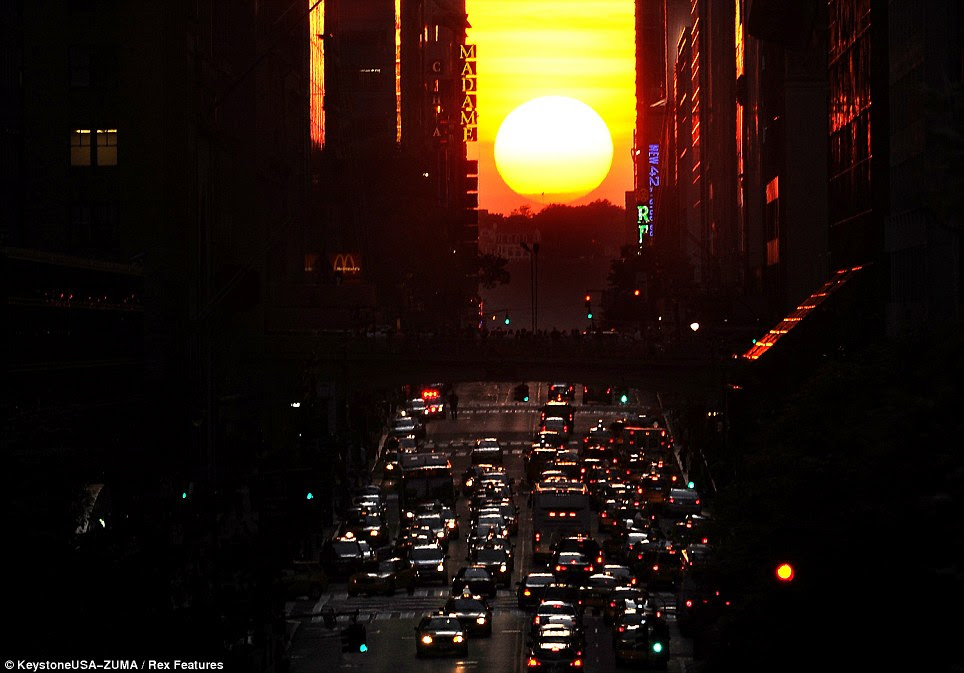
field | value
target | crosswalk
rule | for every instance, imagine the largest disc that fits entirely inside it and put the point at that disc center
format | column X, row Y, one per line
column 423, row 601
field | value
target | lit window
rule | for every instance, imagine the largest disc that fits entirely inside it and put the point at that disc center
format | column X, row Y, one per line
column 106, row 147
column 90, row 148
column 80, row 147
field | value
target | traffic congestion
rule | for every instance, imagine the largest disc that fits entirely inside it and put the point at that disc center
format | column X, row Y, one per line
column 546, row 531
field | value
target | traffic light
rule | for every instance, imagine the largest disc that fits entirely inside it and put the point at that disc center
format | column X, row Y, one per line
column 354, row 638
column 785, row 572
column 506, row 321
column 589, row 307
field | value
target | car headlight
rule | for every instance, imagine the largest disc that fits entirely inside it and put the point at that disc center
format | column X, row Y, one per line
column 390, row 467
column 441, row 567
column 427, row 639
column 469, row 482
column 373, row 533
column 503, row 568
column 480, row 620
column 458, row 639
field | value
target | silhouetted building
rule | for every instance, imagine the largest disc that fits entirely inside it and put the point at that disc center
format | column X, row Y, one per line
column 922, row 227
column 394, row 185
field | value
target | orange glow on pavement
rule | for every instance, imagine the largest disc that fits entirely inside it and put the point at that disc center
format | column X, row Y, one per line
column 528, row 49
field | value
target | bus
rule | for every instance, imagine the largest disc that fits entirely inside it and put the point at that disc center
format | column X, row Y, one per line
column 559, row 509
column 425, row 477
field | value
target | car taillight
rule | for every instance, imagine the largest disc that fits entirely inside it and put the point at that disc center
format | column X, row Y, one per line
column 526, row 593
column 689, row 603
column 577, row 663
column 534, row 663
column 558, row 568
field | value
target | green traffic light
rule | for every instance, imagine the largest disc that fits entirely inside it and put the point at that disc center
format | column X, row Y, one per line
column 624, row 398
column 363, row 647
column 589, row 315
column 310, row 496
column 183, row 495
column 525, row 399
column 690, row 484
column 657, row 647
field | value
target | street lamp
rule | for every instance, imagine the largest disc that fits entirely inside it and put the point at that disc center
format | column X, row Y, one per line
column 533, row 251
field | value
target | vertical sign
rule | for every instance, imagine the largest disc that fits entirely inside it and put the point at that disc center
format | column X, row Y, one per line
column 469, row 115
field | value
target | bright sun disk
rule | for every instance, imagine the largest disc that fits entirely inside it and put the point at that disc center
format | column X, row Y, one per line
column 554, row 146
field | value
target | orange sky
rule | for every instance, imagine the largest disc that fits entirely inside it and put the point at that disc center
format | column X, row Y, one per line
column 530, row 48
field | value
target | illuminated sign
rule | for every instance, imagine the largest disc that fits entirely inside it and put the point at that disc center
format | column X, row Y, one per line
column 469, row 115
column 646, row 212
column 346, row 264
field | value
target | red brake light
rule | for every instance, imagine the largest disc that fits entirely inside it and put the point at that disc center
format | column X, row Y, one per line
column 533, row 662
column 689, row 603
column 577, row 663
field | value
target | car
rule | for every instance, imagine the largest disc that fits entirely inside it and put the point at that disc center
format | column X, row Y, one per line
column 440, row 634
column 556, row 424
column 390, row 574
column 429, row 563
column 571, row 566
column 682, row 501
column 583, row 544
column 561, row 392
column 530, row 588
column 496, row 560
column 407, row 425
column 368, row 527
column 473, row 613
column 618, row 598
column 416, row 407
column 508, row 511
column 555, row 648
column 641, row 638
column 434, row 397
column 559, row 612
column 623, row 574
column 476, row 579
column 597, row 393
column 657, row 564
column 434, row 524
column 303, row 578
column 555, row 408
column 487, row 450
column 565, row 592
column 341, row 557
column 451, row 522
column 549, row 438
column 597, row 590
column 700, row 601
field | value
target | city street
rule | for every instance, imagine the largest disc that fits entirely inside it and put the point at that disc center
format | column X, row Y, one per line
column 485, row 410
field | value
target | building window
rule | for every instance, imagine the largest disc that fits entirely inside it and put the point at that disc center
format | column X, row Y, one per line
column 93, row 148
column 80, row 147
column 106, row 147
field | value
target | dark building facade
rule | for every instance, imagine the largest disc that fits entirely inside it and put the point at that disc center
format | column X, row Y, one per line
column 395, row 186
column 158, row 152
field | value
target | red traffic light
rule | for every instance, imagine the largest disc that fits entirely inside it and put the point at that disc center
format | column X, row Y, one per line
column 784, row 572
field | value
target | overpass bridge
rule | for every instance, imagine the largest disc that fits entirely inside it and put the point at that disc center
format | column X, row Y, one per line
column 359, row 362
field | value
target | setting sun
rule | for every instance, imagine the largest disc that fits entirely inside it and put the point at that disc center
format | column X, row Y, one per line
column 553, row 147
column 573, row 48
